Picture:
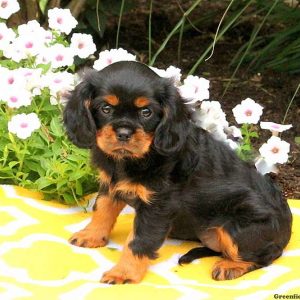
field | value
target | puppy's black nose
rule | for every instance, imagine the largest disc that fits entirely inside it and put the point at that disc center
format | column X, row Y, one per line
column 124, row 134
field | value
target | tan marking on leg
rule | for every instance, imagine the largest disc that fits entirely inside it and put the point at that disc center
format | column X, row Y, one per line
column 129, row 269
column 96, row 233
column 226, row 244
column 232, row 266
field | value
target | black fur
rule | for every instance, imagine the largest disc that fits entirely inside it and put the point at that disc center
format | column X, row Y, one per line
column 197, row 253
column 198, row 182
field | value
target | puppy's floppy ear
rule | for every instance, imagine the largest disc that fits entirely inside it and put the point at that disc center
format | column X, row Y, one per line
column 171, row 133
column 78, row 120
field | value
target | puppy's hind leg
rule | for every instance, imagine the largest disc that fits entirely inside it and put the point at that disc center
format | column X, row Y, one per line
column 232, row 266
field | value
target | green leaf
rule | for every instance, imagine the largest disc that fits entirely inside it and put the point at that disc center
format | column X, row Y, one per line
column 79, row 190
column 297, row 140
column 76, row 175
column 13, row 164
column 56, row 127
column 246, row 147
column 43, row 5
column 5, row 153
column 62, row 183
column 35, row 166
column 69, row 199
column 44, row 67
column 44, row 182
column 253, row 134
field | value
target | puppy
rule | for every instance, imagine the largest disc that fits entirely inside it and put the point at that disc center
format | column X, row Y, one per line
column 180, row 181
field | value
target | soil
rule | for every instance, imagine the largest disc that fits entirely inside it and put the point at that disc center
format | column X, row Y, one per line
column 271, row 89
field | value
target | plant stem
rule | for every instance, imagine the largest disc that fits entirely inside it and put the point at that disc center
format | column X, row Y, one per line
column 223, row 31
column 22, row 157
column 76, row 200
column 97, row 15
column 251, row 41
column 219, row 25
column 180, row 42
column 150, row 32
column 119, row 23
column 290, row 103
column 173, row 32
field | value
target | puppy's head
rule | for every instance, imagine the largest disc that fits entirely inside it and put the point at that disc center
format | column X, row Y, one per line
column 126, row 110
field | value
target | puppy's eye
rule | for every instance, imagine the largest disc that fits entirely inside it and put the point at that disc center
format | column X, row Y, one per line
column 107, row 109
column 146, row 112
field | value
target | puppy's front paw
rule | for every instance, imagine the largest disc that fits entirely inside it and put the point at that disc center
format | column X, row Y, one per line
column 88, row 238
column 120, row 275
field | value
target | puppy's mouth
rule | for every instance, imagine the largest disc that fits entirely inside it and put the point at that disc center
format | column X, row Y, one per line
column 122, row 151
column 136, row 147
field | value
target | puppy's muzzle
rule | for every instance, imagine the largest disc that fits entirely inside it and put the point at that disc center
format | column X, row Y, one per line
column 124, row 134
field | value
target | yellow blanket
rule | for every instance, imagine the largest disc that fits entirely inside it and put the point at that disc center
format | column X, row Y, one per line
column 36, row 261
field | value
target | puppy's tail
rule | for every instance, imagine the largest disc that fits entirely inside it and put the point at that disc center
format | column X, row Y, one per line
column 195, row 253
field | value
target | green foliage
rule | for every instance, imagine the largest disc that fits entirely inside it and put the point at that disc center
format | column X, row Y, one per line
column 97, row 13
column 46, row 161
column 246, row 150
column 277, row 47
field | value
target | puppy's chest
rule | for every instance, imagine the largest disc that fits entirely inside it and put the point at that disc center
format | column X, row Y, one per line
column 124, row 189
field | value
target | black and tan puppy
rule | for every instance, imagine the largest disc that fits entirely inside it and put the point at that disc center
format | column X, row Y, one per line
column 181, row 182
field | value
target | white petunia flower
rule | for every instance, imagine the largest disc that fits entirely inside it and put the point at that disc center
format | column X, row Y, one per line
column 171, row 72
column 275, row 150
column 274, row 127
column 14, row 53
column 174, row 73
column 194, row 89
column 248, row 112
column 59, row 83
column 159, row 72
column 32, row 78
column 53, row 100
column 16, row 98
column 43, row 56
column 7, row 35
column 232, row 144
column 212, row 118
column 31, row 27
column 8, row 7
column 11, row 80
column 108, row 57
column 59, row 56
column 23, row 125
column 233, row 132
column 28, row 45
column 61, row 20
column 263, row 167
column 82, row 45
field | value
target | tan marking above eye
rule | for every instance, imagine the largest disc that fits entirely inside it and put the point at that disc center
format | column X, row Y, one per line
column 141, row 102
column 112, row 99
